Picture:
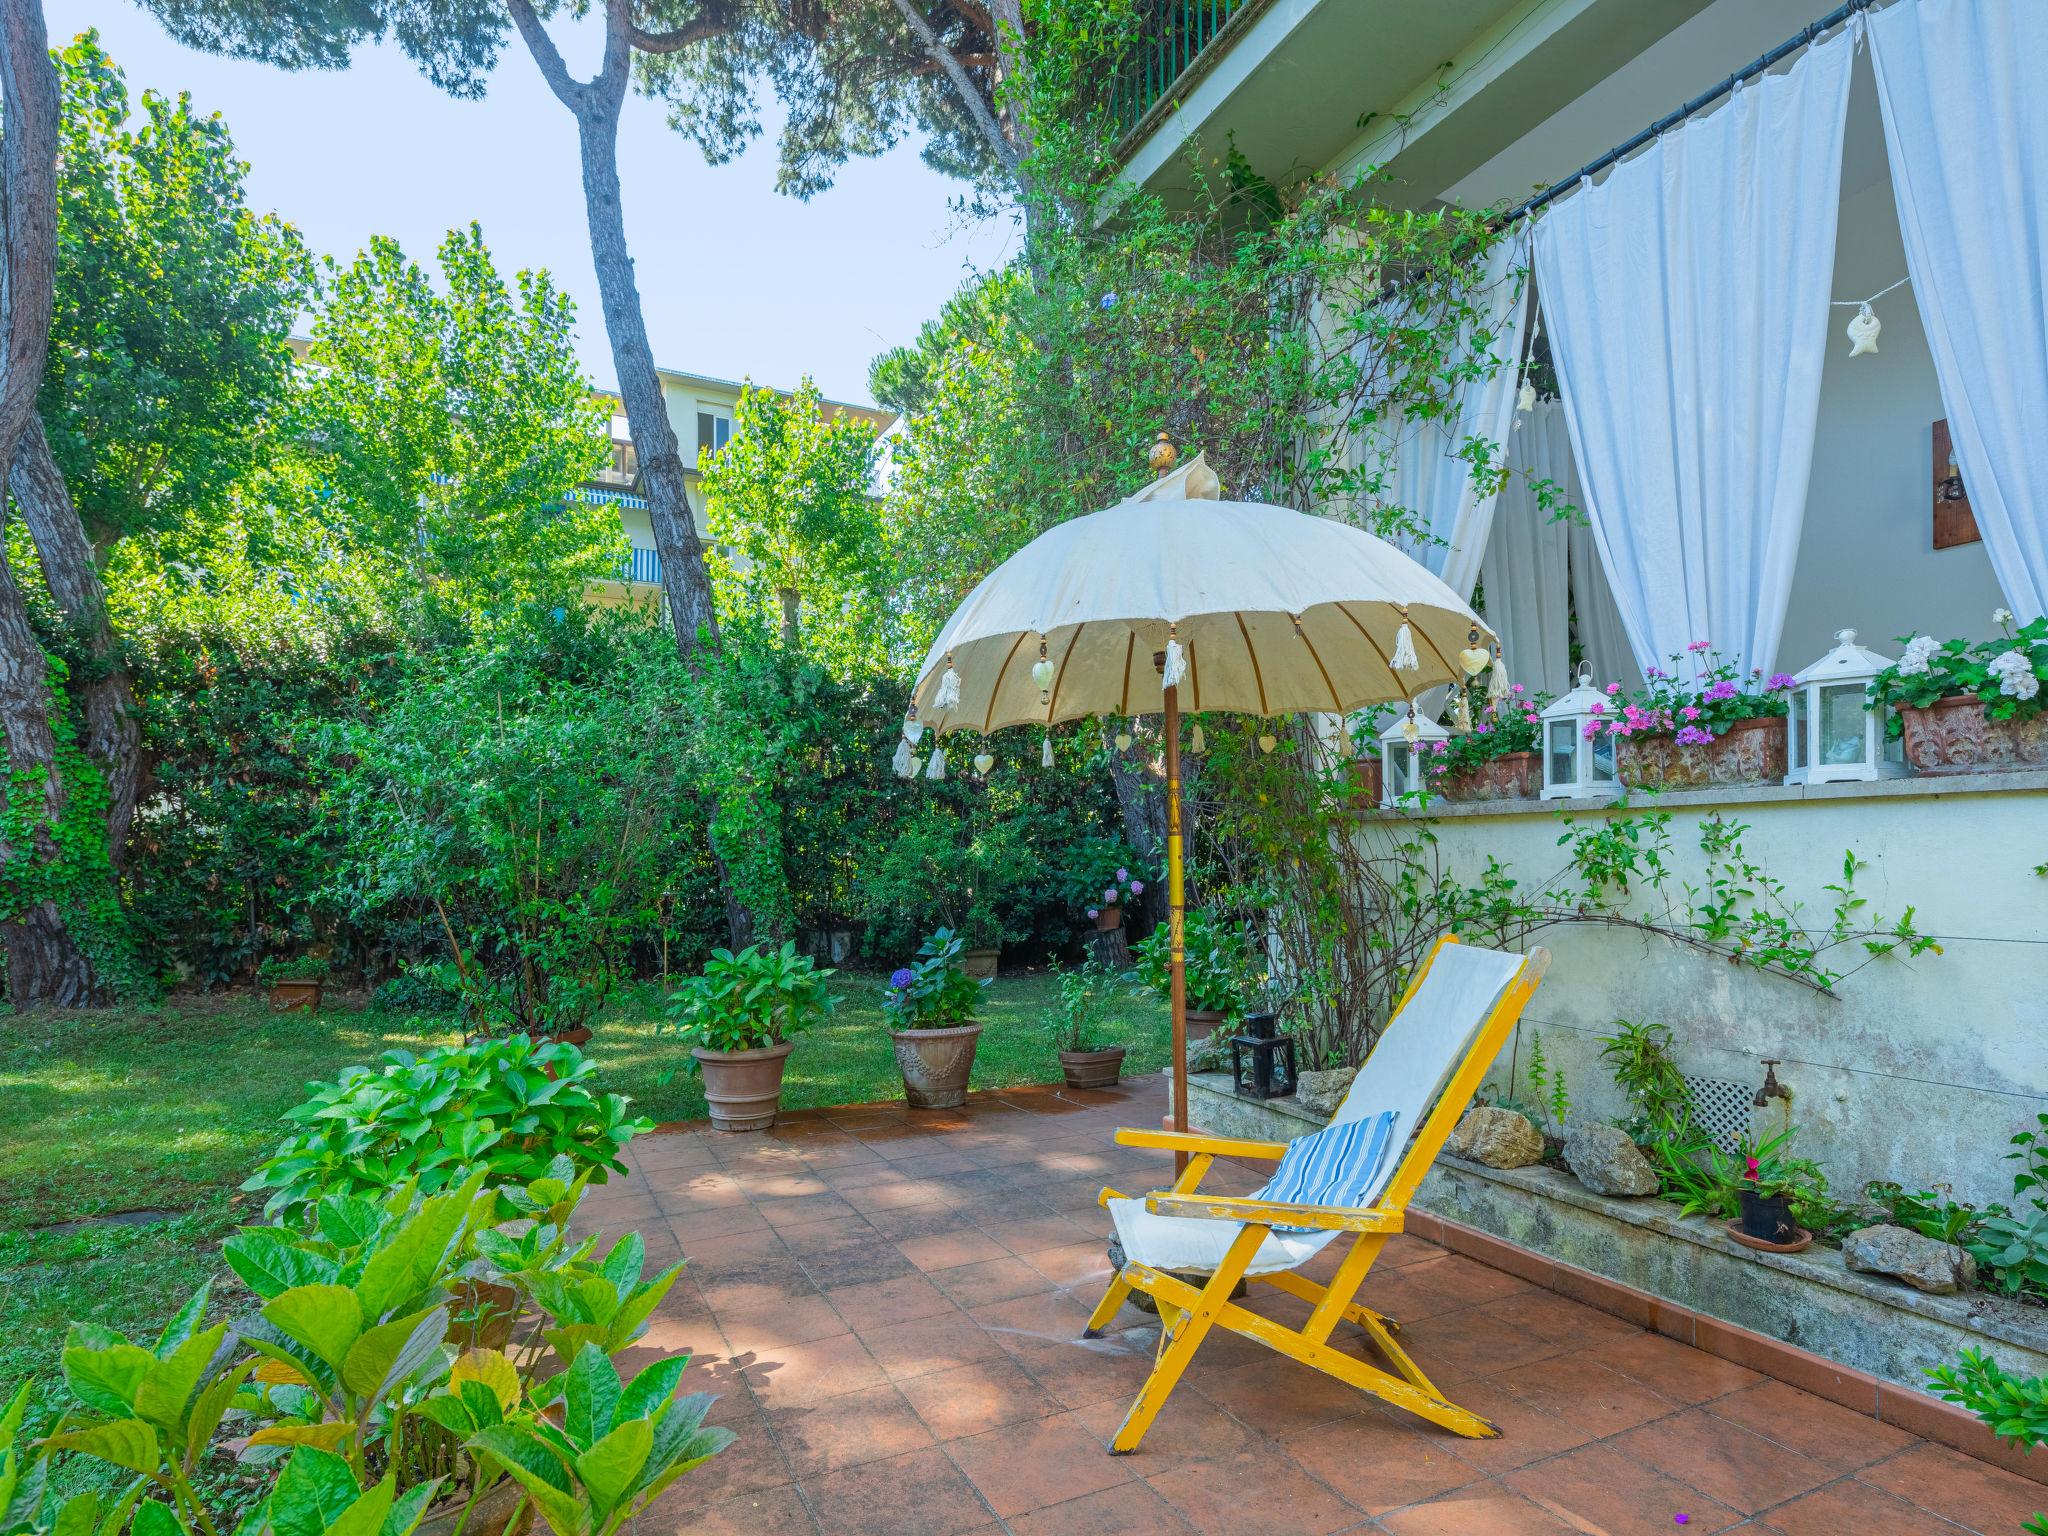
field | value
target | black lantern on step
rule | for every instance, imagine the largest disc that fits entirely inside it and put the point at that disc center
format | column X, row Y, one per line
column 1262, row 1059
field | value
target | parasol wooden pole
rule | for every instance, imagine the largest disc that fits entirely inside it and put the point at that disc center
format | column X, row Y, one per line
column 1176, row 920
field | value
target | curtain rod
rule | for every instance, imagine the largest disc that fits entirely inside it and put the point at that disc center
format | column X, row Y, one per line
column 1792, row 44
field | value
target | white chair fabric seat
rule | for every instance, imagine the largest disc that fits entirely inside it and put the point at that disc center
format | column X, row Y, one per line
column 1190, row 1245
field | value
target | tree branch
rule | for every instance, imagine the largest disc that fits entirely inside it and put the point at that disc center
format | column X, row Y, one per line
column 963, row 83
column 567, row 88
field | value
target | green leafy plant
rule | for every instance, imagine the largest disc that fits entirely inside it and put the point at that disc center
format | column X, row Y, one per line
column 1223, row 967
column 1499, row 727
column 1547, row 1086
column 1706, row 1180
column 1930, row 1212
column 2015, row 1408
column 1639, row 1057
column 2013, row 1251
column 506, row 1106
column 1085, row 1000
column 2006, row 674
column 2030, row 1151
column 932, row 992
column 279, row 968
column 1103, row 872
column 758, row 997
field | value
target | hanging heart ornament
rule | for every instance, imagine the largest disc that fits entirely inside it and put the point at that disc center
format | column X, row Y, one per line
column 1123, row 741
column 983, row 761
column 1268, row 742
column 1474, row 659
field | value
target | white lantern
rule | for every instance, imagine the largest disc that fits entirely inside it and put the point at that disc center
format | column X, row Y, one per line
column 1832, row 735
column 1405, row 749
column 1576, row 762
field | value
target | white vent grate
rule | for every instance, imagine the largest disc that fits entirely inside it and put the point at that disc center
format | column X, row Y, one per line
column 1721, row 1109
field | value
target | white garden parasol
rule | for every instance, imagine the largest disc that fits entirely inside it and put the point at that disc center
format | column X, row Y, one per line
column 1173, row 595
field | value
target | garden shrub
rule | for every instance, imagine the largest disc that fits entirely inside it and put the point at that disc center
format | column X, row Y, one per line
column 506, row 1106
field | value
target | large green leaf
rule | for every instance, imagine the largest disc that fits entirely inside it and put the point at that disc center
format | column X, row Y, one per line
column 312, row 1492
column 611, row 1468
column 408, row 1507
column 651, row 1388
column 623, row 1264
column 348, row 1221
column 324, row 1318
column 418, row 1254
column 590, row 1396
column 186, row 1323
column 269, row 1263
column 390, row 1352
column 164, row 1392
column 632, row 1315
column 155, row 1519
column 365, row 1517
column 544, row 1478
column 126, row 1443
column 209, row 1407
column 107, row 1377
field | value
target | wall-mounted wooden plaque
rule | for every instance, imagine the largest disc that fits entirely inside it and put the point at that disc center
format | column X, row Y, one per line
column 1954, row 523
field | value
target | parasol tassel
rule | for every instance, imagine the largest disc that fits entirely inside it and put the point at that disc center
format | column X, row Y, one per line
column 903, row 763
column 1176, row 665
column 1497, row 684
column 1199, row 744
column 937, row 770
column 1405, row 659
column 1045, row 752
column 948, row 696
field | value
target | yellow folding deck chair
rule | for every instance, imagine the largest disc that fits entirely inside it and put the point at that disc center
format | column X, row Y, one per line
column 1452, row 1022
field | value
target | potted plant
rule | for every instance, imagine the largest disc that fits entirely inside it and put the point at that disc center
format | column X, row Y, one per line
column 1100, row 881
column 1075, row 1021
column 1966, row 708
column 295, row 981
column 930, row 1005
column 1704, row 723
column 1766, row 1195
column 1497, row 759
column 737, row 1017
column 981, row 935
column 1222, row 968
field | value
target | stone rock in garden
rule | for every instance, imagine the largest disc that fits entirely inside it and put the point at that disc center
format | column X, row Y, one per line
column 1209, row 1055
column 1321, row 1092
column 1499, row 1138
column 1940, row 1269
column 1607, row 1162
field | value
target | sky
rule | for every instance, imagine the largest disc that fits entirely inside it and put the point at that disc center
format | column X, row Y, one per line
column 736, row 281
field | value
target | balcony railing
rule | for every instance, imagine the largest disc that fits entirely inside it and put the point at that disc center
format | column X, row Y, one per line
column 1171, row 33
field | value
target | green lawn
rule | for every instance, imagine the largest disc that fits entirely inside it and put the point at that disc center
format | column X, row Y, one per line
column 167, row 1110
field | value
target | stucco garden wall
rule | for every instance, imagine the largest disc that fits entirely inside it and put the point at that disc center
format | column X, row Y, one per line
column 1918, row 1070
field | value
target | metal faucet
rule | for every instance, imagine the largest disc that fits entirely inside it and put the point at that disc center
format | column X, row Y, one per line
column 1772, row 1088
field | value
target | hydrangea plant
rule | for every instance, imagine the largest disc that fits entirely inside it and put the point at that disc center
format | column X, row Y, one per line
column 933, row 991
column 2004, row 673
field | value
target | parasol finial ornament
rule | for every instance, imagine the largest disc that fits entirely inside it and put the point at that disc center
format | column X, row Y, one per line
column 1163, row 456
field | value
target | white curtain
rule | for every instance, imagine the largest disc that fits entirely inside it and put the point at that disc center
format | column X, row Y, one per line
column 1965, row 103
column 1428, row 475
column 1603, row 638
column 1526, row 572
column 1687, row 303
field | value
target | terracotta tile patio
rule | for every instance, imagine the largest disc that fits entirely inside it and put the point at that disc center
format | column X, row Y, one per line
column 890, row 1304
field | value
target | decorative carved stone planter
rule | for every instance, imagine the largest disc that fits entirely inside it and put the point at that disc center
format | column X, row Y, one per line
column 936, row 1064
column 1749, row 752
column 1511, row 776
column 296, row 996
column 980, row 963
column 1952, row 736
column 743, row 1089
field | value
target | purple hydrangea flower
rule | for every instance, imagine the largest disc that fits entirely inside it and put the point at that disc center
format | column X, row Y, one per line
column 1780, row 681
column 1123, row 874
column 1094, row 912
column 902, row 978
column 1137, row 887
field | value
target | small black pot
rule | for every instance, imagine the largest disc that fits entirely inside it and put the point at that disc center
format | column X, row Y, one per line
column 1768, row 1217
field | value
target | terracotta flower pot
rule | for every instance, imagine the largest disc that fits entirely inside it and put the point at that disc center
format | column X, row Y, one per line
column 1093, row 1069
column 743, row 1088
column 936, row 1064
column 1952, row 736
column 1511, row 776
column 481, row 1315
column 1109, row 919
column 1363, row 775
column 1203, row 1022
column 980, row 963
column 1748, row 752
column 296, row 996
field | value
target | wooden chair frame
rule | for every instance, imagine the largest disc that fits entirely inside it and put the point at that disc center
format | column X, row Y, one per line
column 1187, row 1312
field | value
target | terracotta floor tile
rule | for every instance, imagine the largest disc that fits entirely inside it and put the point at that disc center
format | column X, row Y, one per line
column 690, row 1228
column 1189, row 1429
column 909, row 1221
column 865, row 1259
column 1603, row 1490
column 908, row 1350
column 694, row 1189
column 756, row 1290
column 1586, row 1395
column 669, row 1151
column 784, row 1183
column 1852, row 1508
column 1958, row 1488
column 1377, row 1464
column 735, row 1253
column 1052, row 1316
column 1281, row 1398
column 974, row 1285
column 684, row 1511
column 920, row 1494
column 1560, row 1320
column 860, row 1169
column 1456, row 1347
column 1084, row 1264
column 1129, row 1509
column 1741, row 1469
column 1083, row 1371
column 1027, row 1466
column 950, row 1250
column 882, row 1302
column 1252, row 1495
column 1027, row 1237
column 889, row 1197
column 783, row 1214
column 768, row 1324
column 799, row 1375
column 1482, row 1509
column 752, row 1462
column 1671, row 1369
column 1835, row 1436
column 868, row 1425
column 1527, row 1432
column 973, row 1399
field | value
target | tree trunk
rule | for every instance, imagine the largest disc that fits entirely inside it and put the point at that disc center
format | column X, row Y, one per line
column 792, row 617
column 44, row 962
column 112, row 736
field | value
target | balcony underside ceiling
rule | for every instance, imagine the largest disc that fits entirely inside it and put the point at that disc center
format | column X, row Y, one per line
column 1428, row 90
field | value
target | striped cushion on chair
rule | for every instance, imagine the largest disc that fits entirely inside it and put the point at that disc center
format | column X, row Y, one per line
column 1335, row 1167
